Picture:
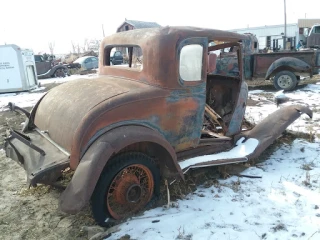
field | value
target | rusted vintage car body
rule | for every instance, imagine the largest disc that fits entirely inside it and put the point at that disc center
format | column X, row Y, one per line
column 86, row 123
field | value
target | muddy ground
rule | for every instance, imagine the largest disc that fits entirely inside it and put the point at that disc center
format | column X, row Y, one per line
column 33, row 213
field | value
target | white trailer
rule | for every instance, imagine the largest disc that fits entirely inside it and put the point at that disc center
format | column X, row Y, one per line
column 17, row 69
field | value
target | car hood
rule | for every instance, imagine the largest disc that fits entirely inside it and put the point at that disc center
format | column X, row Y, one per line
column 62, row 109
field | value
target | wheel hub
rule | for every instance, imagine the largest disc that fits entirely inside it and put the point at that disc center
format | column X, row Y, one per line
column 134, row 193
column 284, row 81
column 123, row 187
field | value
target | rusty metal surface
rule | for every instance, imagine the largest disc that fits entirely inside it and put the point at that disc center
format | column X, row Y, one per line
column 211, row 146
column 40, row 168
column 79, row 190
column 177, row 115
column 239, row 111
column 272, row 126
column 153, row 42
column 163, row 104
column 291, row 64
column 222, row 93
column 256, row 65
column 129, row 191
column 262, row 62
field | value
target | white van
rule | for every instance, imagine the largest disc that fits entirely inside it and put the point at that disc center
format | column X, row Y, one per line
column 17, row 69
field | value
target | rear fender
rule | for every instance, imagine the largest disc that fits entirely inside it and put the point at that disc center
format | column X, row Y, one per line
column 52, row 71
column 87, row 174
column 272, row 127
column 292, row 64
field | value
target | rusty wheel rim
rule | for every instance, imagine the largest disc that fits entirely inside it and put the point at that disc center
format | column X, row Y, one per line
column 131, row 189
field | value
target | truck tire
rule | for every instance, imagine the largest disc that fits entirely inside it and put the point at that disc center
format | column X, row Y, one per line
column 285, row 80
column 125, row 187
column 60, row 72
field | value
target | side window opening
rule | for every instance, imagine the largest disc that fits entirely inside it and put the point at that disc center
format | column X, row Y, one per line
column 190, row 67
column 38, row 58
column 130, row 57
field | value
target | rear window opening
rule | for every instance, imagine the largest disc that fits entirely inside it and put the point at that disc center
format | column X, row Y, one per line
column 130, row 57
column 190, row 66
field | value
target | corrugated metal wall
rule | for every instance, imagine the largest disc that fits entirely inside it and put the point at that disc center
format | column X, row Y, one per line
column 273, row 31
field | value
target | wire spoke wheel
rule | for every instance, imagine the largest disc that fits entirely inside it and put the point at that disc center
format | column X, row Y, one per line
column 128, row 183
column 131, row 189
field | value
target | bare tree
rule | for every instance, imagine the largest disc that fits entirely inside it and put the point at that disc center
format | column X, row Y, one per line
column 78, row 49
column 73, row 47
column 85, row 45
column 51, row 47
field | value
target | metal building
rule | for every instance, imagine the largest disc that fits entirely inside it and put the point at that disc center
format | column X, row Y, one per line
column 271, row 37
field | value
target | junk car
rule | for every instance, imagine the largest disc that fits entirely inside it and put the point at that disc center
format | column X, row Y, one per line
column 134, row 125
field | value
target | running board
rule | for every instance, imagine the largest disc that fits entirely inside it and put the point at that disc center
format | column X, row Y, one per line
column 216, row 163
column 237, row 154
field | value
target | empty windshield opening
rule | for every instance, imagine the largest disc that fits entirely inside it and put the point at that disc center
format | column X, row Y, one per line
column 227, row 59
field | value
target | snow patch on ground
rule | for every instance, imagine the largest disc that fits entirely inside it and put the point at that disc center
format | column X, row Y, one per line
column 308, row 96
column 283, row 204
column 25, row 99
column 65, row 79
column 29, row 99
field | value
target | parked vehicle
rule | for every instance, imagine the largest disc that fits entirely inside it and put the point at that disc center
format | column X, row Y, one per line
column 88, row 62
column 17, row 69
column 284, row 68
column 127, row 128
column 47, row 68
column 116, row 57
column 313, row 39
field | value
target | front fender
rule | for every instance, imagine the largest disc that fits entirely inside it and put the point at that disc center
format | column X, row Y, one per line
column 272, row 127
column 292, row 64
column 86, row 176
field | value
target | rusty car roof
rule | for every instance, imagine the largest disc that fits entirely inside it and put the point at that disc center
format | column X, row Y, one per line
column 140, row 36
column 159, row 47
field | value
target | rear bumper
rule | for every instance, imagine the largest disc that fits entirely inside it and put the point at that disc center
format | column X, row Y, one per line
column 42, row 160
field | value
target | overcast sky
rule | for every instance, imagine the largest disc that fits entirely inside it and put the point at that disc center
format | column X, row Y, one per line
column 35, row 23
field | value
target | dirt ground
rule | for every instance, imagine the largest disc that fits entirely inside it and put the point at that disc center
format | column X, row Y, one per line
column 33, row 213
